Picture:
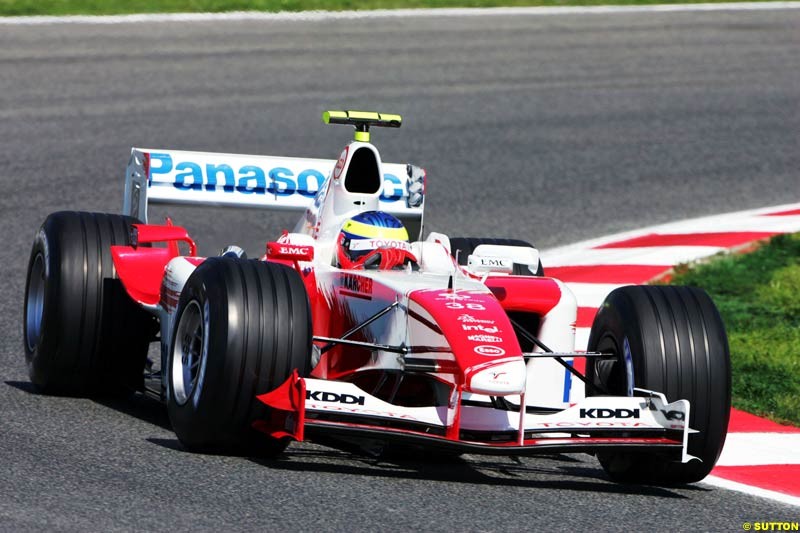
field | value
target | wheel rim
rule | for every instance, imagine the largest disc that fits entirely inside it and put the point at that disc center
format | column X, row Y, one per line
column 34, row 303
column 188, row 353
column 615, row 372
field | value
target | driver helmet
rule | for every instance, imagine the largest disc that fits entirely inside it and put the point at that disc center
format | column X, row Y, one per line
column 373, row 239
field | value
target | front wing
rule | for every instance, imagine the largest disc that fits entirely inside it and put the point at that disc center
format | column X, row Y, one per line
column 314, row 407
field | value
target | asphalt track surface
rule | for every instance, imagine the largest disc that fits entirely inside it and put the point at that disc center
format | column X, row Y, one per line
column 552, row 129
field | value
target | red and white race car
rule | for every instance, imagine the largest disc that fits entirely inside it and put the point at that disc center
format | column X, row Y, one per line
column 349, row 332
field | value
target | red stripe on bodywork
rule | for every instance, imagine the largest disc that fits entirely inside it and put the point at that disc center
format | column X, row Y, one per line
column 788, row 213
column 742, row 422
column 622, row 274
column 196, row 261
column 533, row 295
column 724, row 240
column 779, row 478
column 465, row 314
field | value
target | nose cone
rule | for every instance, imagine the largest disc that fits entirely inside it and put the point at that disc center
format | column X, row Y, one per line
column 487, row 355
column 500, row 379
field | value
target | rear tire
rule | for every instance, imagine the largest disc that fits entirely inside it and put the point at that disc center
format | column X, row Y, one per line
column 462, row 247
column 82, row 332
column 242, row 327
column 678, row 346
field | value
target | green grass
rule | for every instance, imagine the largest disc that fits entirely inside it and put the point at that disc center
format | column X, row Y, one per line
column 758, row 295
column 113, row 7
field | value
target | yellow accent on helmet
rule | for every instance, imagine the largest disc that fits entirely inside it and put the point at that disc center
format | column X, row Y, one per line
column 368, row 231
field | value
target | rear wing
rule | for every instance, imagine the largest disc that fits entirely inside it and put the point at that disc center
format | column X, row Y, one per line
column 235, row 180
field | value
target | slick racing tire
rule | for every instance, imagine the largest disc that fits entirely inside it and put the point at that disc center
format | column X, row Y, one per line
column 676, row 345
column 241, row 328
column 82, row 333
column 462, row 247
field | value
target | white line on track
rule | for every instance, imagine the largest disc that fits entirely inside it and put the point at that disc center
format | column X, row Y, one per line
column 395, row 13
column 753, row 491
column 753, row 449
column 750, row 220
column 655, row 255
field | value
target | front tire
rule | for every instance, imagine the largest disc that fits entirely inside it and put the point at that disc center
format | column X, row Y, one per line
column 242, row 327
column 676, row 345
column 82, row 333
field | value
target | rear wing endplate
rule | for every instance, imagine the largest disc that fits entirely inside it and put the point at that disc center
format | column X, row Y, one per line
column 235, row 180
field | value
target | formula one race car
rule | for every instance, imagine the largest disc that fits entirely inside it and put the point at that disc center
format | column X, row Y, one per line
column 350, row 333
